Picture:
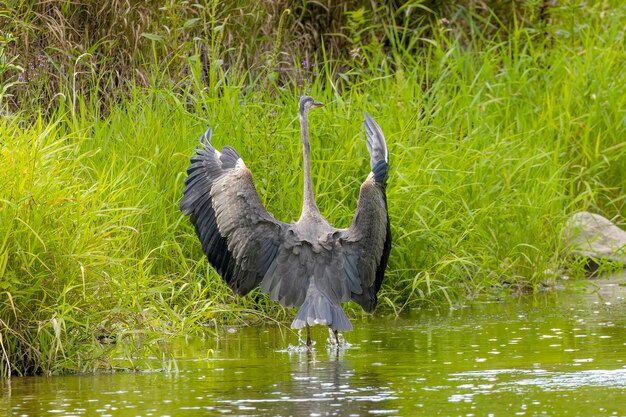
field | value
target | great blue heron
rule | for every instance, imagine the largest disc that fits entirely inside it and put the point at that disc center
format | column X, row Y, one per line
column 307, row 264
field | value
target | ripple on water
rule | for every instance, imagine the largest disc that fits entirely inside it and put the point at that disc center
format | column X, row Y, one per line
column 507, row 379
column 572, row 380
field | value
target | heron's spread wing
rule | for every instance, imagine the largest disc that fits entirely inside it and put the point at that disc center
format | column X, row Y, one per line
column 367, row 242
column 247, row 246
column 239, row 237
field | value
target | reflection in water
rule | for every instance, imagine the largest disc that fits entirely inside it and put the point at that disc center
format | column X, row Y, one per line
column 318, row 383
column 553, row 354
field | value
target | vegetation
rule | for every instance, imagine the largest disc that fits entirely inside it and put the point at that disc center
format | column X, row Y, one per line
column 498, row 130
column 98, row 47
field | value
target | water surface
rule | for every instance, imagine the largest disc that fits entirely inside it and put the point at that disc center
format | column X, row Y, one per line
column 559, row 353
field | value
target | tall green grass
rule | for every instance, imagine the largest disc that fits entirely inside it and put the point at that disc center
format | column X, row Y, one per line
column 97, row 47
column 492, row 146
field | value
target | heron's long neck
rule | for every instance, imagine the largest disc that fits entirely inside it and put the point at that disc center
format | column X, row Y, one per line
column 308, row 206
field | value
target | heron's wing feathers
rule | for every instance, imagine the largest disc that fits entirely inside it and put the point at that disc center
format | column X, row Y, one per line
column 367, row 242
column 239, row 237
column 376, row 144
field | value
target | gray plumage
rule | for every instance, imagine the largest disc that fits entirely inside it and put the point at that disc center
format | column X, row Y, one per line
column 307, row 264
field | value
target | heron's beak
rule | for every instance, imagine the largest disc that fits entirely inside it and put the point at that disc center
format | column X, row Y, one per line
column 317, row 104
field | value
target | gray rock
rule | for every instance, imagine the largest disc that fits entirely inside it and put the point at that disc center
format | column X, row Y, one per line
column 593, row 236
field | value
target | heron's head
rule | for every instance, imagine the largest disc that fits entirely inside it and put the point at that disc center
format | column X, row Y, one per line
column 307, row 103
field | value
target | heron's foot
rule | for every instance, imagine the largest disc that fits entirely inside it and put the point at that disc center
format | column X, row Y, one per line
column 305, row 343
column 335, row 339
column 309, row 343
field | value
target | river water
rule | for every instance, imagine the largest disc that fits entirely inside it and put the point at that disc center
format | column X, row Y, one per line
column 556, row 353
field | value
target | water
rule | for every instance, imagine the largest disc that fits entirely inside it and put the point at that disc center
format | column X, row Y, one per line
column 559, row 353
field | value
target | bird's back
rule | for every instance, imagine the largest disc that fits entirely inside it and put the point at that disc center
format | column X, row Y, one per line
column 311, row 273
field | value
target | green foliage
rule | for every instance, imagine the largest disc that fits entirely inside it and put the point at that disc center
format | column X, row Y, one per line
column 7, row 69
column 80, row 44
column 493, row 143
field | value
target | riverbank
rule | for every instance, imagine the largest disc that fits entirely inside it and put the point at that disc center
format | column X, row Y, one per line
column 551, row 353
column 491, row 148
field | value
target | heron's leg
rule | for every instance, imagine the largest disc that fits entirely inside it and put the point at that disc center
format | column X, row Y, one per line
column 336, row 336
column 308, row 335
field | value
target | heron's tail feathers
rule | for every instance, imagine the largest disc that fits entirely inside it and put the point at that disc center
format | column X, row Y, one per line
column 319, row 310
